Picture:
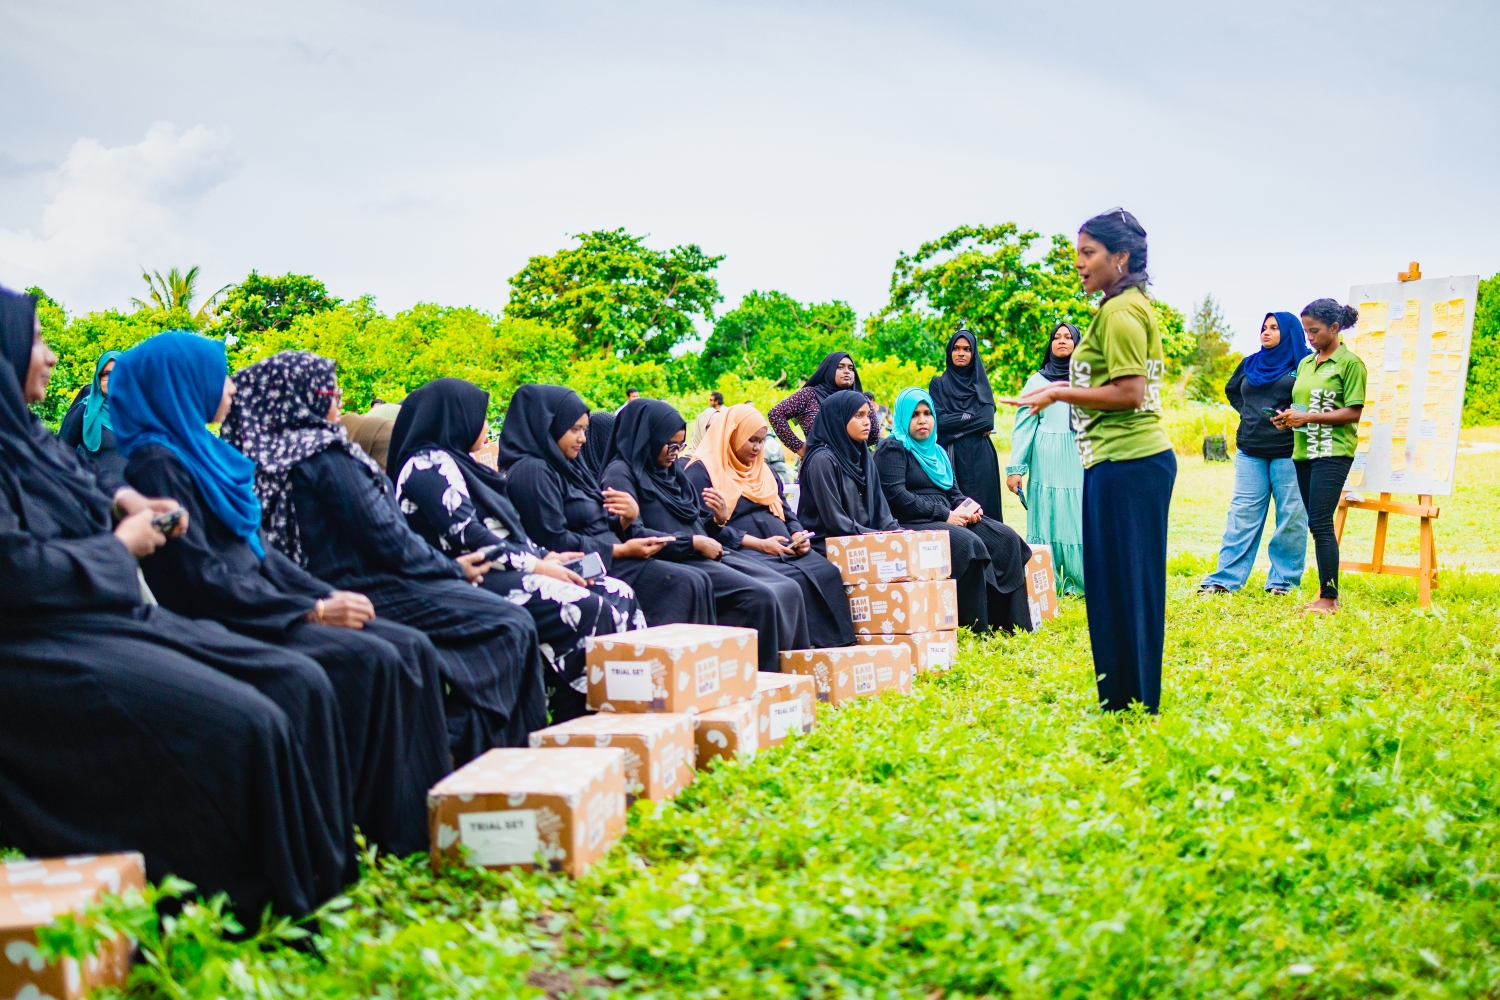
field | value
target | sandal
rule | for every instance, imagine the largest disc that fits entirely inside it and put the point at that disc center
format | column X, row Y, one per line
column 1212, row 588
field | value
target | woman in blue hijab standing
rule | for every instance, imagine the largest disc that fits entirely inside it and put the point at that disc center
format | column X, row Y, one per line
column 88, row 429
column 1263, row 465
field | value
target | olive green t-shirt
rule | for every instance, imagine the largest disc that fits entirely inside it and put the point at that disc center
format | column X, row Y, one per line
column 1323, row 388
column 1122, row 340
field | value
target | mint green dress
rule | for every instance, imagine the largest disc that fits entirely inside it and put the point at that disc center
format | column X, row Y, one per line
column 1042, row 448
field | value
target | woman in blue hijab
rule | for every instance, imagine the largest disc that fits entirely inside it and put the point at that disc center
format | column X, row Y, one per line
column 917, row 478
column 87, row 427
column 166, row 391
column 1263, row 465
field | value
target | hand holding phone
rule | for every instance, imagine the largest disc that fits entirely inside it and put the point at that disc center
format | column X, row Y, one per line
column 167, row 523
column 590, row 567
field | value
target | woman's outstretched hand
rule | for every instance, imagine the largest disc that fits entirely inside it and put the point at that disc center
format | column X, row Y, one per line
column 641, row 548
column 1037, row 399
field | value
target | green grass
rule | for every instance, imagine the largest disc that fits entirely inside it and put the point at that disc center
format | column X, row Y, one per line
column 1314, row 814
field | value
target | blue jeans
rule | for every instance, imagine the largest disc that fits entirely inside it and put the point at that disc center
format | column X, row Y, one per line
column 1256, row 481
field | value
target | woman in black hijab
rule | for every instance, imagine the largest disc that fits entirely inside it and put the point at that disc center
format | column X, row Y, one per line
column 834, row 374
column 327, row 505
column 547, row 429
column 595, row 454
column 124, row 727
column 645, row 463
column 167, row 389
column 841, row 492
column 965, row 421
column 460, row 505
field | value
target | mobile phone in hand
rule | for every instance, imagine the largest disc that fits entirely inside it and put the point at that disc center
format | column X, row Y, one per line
column 1021, row 496
column 590, row 567
column 1268, row 411
column 167, row 523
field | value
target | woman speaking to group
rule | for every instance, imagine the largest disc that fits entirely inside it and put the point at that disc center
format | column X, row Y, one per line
column 1115, row 390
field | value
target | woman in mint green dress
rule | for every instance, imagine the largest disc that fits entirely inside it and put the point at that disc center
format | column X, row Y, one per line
column 1042, row 449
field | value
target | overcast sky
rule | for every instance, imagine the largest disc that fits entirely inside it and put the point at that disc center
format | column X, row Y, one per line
column 1275, row 152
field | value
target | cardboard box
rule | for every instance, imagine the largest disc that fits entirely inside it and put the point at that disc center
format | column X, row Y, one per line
column 726, row 733
column 929, row 650
column 787, row 704
column 1041, row 584
column 892, row 556
column 564, row 804
column 487, row 454
column 903, row 608
column 659, row 748
column 672, row 668
column 32, row 893
column 843, row 673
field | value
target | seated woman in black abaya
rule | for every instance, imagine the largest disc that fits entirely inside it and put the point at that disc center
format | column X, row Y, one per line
column 327, row 505
column 989, row 559
column 166, row 390
column 460, row 505
column 644, row 464
column 547, row 446
column 125, row 727
column 751, row 516
column 840, row 484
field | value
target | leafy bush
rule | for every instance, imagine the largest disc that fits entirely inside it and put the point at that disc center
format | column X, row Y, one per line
column 1482, row 391
column 262, row 302
column 772, row 335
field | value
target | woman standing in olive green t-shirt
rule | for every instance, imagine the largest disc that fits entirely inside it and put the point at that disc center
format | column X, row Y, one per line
column 1114, row 386
column 1327, row 399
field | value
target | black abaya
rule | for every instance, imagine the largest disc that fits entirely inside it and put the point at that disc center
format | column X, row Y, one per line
column 965, row 411
column 989, row 559
column 386, row 674
column 823, row 596
column 355, row 537
column 107, row 463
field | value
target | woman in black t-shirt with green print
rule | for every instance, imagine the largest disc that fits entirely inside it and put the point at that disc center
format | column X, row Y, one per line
column 1327, row 399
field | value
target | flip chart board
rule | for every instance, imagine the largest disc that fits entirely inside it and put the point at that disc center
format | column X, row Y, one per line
column 1414, row 338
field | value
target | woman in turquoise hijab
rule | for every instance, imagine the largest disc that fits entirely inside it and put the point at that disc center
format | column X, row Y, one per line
column 989, row 559
column 88, row 429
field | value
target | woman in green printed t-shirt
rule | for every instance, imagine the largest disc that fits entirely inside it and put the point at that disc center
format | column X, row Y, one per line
column 1114, row 386
column 1327, row 399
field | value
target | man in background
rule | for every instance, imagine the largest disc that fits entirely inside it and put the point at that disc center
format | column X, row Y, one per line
column 700, row 424
column 631, row 393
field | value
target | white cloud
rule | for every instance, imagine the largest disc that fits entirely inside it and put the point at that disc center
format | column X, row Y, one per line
column 113, row 210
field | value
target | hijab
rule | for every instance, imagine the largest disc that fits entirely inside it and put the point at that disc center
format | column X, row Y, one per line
column 538, row 416
column 965, row 404
column 853, row 457
column 822, row 381
column 731, row 477
column 165, row 391
column 57, row 498
column 1270, row 363
column 279, row 418
column 1055, row 369
column 371, row 433
column 447, row 415
column 96, row 411
column 642, row 429
column 929, row 455
column 595, row 453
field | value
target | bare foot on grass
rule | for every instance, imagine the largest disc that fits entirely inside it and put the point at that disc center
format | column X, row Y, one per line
column 1322, row 606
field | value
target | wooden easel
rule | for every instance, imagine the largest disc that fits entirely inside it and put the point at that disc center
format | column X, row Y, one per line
column 1425, row 571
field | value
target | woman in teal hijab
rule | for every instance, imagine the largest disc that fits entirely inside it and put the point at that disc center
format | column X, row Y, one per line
column 88, row 429
column 932, row 457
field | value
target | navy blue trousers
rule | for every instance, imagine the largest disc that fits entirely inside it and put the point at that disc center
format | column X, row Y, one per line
column 1125, row 562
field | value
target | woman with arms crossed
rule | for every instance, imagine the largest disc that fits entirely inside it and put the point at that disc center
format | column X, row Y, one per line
column 966, row 419
column 1115, row 390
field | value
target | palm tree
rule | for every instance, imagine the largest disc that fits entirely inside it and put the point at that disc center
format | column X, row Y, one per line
column 175, row 291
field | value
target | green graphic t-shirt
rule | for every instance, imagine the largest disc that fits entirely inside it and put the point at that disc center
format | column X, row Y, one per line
column 1323, row 388
column 1122, row 340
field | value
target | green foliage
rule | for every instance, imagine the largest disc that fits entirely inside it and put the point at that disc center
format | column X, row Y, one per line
column 262, row 302
column 1212, row 361
column 888, row 376
column 617, row 296
column 1178, row 343
column 772, row 335
column 1482, row 391
column 985, row 278
column 175, row 292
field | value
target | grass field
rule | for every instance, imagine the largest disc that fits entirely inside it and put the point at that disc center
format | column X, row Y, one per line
column 1316, row 813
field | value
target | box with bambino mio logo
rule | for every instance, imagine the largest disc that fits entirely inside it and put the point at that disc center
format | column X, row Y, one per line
column 843, row 673
column 659, row 750
column 1041, row 584
column 892, row 556
column 903, row 608
column 35, row 891
column 671, row 668
column 788, row 704
column 929, row 650
column 726, row 733
column 560, row 808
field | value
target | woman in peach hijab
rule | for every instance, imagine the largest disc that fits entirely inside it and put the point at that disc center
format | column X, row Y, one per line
column 750, row 513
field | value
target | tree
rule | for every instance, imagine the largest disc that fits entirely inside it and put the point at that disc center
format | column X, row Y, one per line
column 1482, row 392
column 617, row 296
column 988, row 279
column 261, row 303
column 772, row 335
column 175, row 292
column 1212, row 360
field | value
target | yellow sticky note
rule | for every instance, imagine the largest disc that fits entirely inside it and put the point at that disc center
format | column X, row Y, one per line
column 1439, row 316
column 1454, row 362
column 1357, row 477
column 1377, row 342
column 1413, row 314
column 1444, row 416
column 1403, row 394
column 1399, row 430
column 1409, row 341
column 1372, row 315
column 1403, row 377
column 1387, row 396
column 1365, row 428
column 1455, row 313
column 1408, row 361
column 1385, row 415
column 1361, row 446
column 1398, row 454
column 1419, row 464
column 1446, row 397
column 1439, row 343
column 1442, row 465
column 1434, row 369
column 1424, row 446
column 1429, row 411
